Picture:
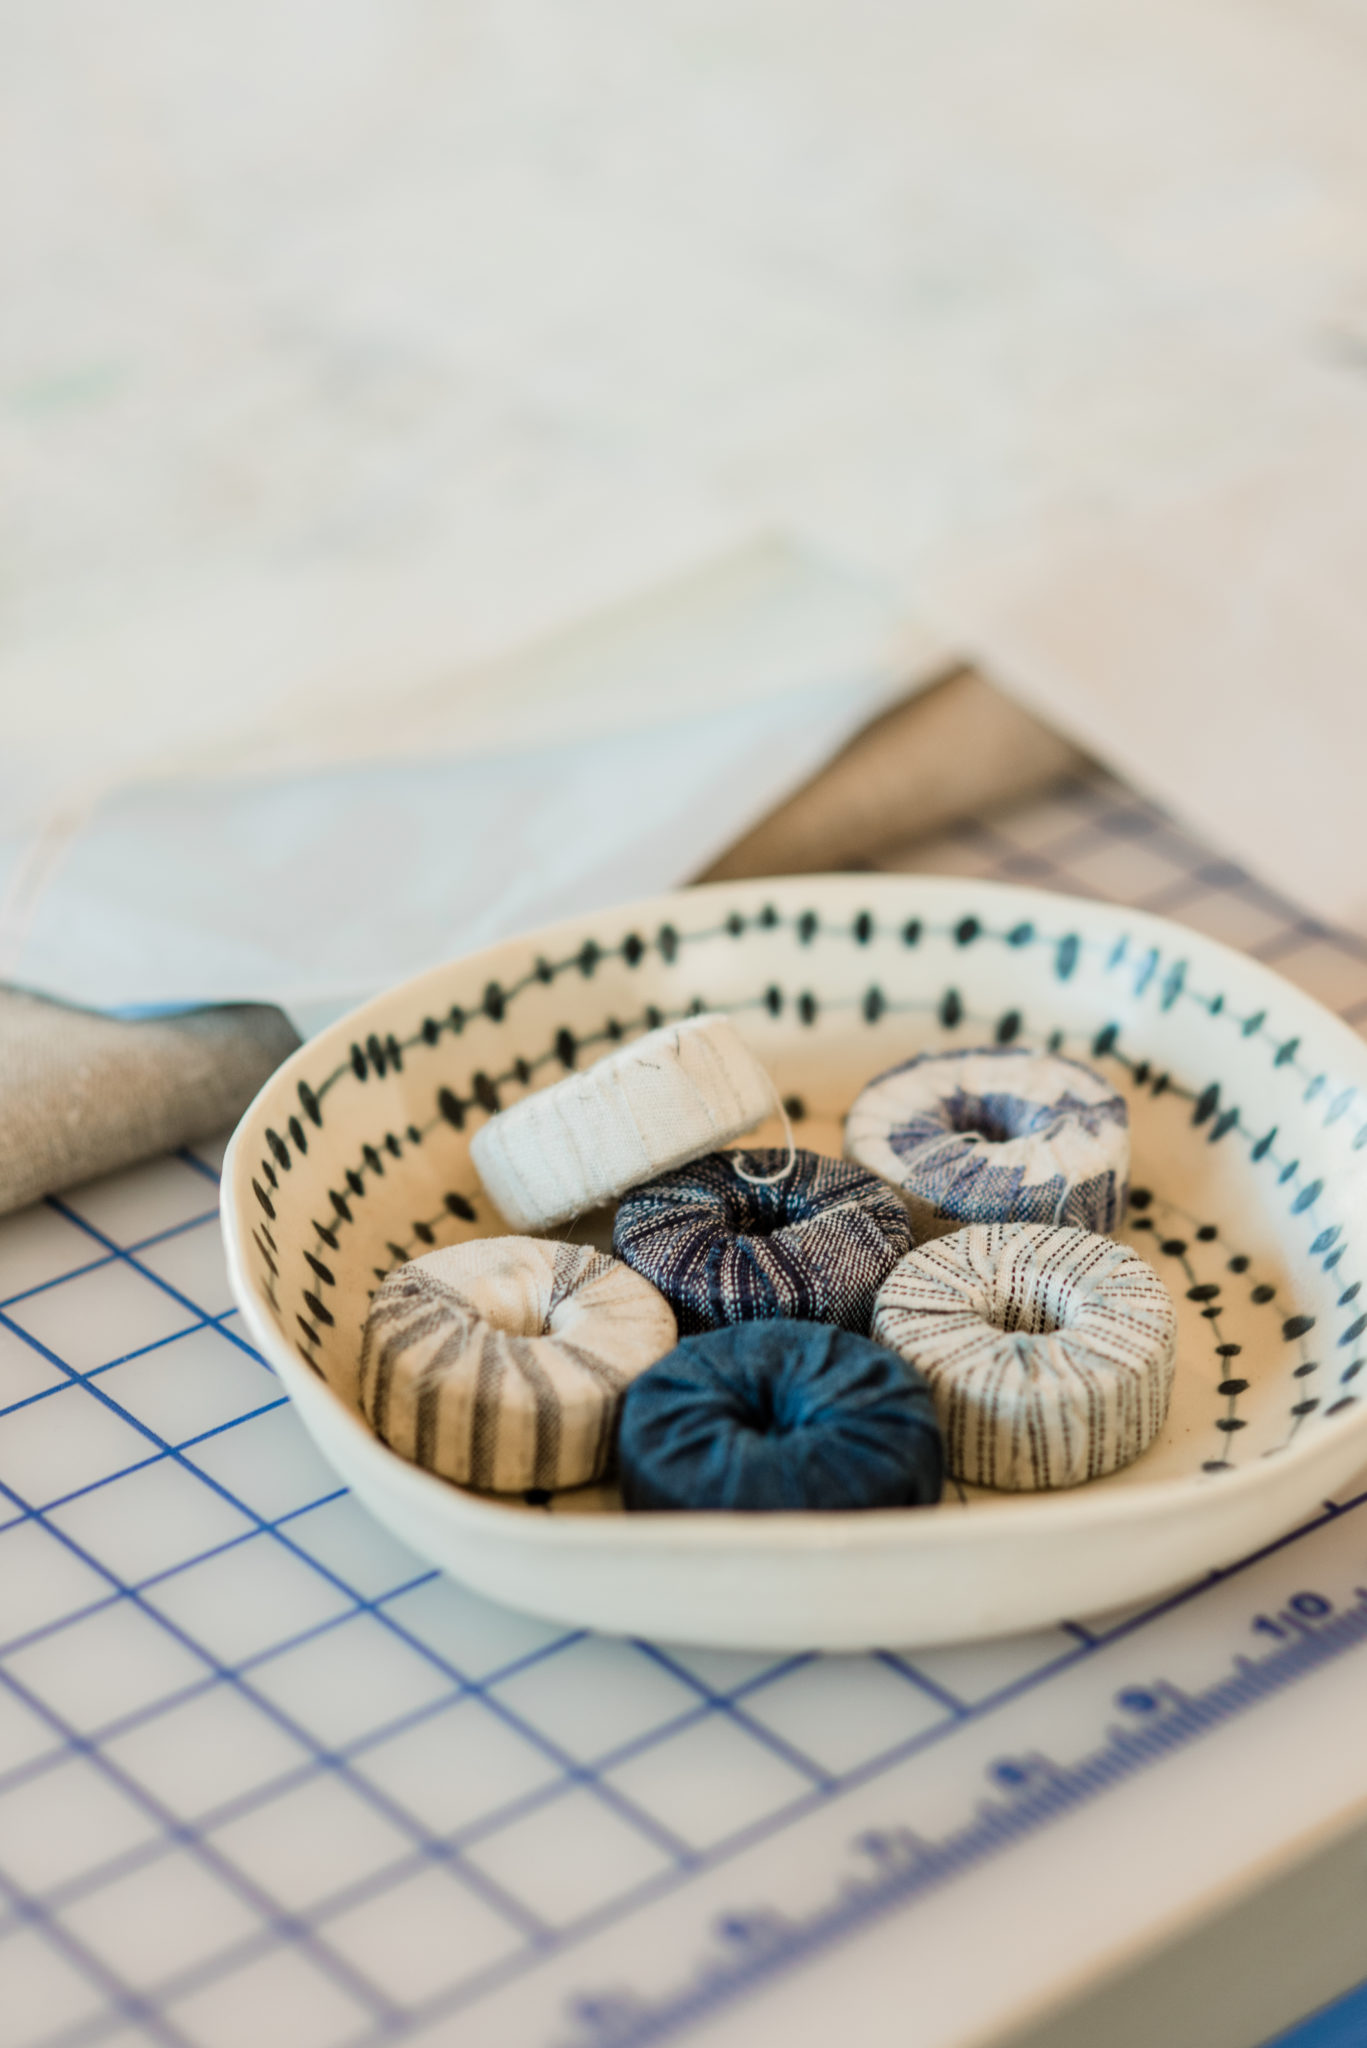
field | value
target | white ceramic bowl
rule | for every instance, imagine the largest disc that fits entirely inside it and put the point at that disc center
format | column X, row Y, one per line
column 1249, row 1110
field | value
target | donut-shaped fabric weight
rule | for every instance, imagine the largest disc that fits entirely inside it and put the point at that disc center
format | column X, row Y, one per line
column 815, row 1244
column 501, row 1363
column 998, row 1135
column 1050, row 1352
column 664, row 1099
column 780, row 1415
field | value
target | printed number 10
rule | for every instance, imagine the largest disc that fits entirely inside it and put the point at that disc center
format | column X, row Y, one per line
column 1301, row 1607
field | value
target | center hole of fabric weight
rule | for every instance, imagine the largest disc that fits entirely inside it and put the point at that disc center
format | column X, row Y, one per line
column 996, row 1119
column 1026, row 1318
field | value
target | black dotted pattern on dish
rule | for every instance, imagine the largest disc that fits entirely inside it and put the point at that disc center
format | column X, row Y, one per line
column 1182, row 1238
column 1142, row 969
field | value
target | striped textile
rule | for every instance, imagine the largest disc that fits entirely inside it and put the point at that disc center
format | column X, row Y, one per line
column 998, row 1134
column 1050, row 1352
column 815, row 1245
column 501, row 1363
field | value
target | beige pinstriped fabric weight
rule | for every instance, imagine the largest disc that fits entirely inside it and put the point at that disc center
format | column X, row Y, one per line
column 1050, row 1352
column 501, row 1363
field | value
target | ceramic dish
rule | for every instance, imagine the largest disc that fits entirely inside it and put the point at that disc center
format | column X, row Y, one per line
column 1249, row 1111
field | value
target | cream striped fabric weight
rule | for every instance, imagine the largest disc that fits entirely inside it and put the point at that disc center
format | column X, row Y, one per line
column 1050, row 1352
column 683, row 1090
column 501, row 1363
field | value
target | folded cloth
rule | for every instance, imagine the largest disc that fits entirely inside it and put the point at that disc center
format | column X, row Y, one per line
column 82, row 1094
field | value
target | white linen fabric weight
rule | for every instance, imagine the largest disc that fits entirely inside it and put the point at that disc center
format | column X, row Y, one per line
column 683, row 1090
column 1050, row 1352
column 501, row 1363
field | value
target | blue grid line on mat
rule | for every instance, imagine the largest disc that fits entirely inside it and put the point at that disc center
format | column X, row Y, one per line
column 555, row 1713
column 134, row 1593
column 144, row 1244
column 853, row 1778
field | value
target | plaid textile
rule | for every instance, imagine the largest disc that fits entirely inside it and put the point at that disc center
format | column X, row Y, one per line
column 1050, row 1353
column 814, row 1246
column 501, row 1363
column 997, row 1134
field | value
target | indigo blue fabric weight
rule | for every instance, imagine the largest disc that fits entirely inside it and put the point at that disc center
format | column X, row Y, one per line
column 816, row 1245
column 780, row 1415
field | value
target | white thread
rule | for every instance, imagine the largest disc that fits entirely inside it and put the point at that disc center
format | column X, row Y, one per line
column 681, row 1091
column 771, row 1180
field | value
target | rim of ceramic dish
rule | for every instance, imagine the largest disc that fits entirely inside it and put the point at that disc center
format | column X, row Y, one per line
column 866, row 1528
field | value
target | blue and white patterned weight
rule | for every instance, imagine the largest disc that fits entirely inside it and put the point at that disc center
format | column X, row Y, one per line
column 1050, row 1353
column 815, row 1244
column 996, row 1135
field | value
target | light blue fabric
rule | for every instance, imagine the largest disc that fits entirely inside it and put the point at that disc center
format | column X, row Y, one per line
column 314, row 890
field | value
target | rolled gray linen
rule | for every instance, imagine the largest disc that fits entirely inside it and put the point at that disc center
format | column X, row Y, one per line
column 82, row 1094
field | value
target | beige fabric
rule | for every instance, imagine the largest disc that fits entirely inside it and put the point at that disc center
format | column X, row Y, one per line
column 959, row 747
column 82, row 1094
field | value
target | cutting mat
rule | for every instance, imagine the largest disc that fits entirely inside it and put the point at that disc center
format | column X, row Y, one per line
column 265, row 1778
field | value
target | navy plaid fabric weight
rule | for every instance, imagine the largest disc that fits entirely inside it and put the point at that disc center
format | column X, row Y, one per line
column 814, row 1246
